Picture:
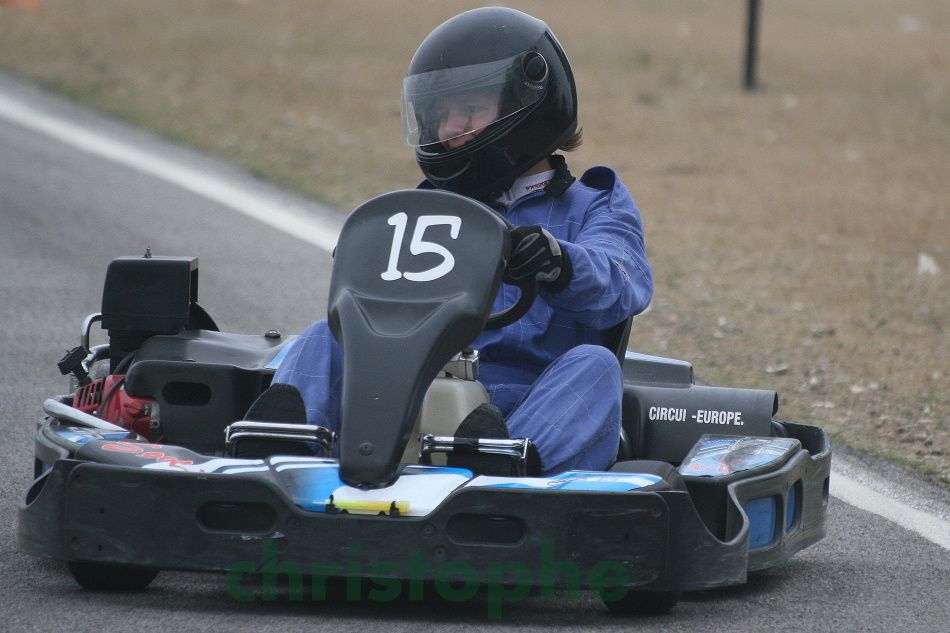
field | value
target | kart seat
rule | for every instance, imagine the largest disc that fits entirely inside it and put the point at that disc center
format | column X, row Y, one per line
column 616, row 336
column 615, row 339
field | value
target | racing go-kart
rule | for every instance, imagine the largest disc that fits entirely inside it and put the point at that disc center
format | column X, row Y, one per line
column 155, row 459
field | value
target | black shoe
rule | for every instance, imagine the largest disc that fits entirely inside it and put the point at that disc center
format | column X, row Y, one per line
column 484, row 422
column 279, row 403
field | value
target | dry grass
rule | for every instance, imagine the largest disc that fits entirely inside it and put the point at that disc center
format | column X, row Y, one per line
column 784, row 226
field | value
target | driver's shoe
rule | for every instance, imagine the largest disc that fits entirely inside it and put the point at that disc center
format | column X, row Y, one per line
column 278, row 403
column 484, row 422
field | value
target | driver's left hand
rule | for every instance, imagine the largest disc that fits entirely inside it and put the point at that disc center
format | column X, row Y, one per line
column 536, row 253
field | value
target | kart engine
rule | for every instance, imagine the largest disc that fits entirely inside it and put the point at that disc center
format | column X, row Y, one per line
column 142, row 297
column 106, row 398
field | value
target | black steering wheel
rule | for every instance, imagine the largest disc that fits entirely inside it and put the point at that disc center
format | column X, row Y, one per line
column 529, row 291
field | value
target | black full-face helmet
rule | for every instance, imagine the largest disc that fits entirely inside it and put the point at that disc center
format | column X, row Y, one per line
column 503, row 57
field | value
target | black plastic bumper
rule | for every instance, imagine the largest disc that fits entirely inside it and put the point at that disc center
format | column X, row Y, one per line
column 165, row 520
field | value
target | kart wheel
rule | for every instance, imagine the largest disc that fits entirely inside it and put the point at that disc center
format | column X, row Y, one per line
column 642, row 603
column 106, row 577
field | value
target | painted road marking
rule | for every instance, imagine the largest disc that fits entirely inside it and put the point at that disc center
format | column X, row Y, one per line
column 300, row 223
column 932, row 528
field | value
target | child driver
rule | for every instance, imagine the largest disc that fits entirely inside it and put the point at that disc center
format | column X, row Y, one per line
column 488, row 100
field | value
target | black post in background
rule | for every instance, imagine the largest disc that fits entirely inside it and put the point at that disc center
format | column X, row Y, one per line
column 752, row 46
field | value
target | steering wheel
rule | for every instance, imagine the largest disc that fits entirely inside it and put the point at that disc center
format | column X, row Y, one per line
column 529, row 291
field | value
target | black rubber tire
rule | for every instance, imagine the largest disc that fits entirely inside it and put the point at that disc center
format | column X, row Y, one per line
column 106, row 577
column 643, row 603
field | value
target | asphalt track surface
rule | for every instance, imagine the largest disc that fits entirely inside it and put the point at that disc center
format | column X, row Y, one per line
column 64, row 214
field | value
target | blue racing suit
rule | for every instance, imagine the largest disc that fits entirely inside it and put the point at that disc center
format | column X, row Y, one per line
column 548, row 372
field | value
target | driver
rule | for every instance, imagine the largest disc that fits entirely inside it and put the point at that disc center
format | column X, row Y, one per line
column 488, row 101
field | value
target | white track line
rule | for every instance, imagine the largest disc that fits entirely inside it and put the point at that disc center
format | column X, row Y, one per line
column 324, row 235
column 296, row 222
column 932, row 528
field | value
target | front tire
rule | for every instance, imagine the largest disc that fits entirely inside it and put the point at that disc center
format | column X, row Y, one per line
column 109, row 577
column 642, row 603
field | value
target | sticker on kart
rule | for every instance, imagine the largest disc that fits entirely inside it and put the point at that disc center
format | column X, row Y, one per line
column 573, row 480
column 82, row 436
column 718, row 456
column 120, row 452
column 318, row 488
column 314, row 483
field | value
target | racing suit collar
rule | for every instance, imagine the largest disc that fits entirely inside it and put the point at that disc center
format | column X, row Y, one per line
column 526, row 185
column 552, row 182
column 562, row 176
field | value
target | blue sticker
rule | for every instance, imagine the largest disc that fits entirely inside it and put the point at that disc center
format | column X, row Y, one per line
column 790, row 506
column 311, row 488
column 590, row 481
column 114, row 436
column 76, row 438
column 421, row 469
column 84, row 436
column 761, row 513
column 607, row 486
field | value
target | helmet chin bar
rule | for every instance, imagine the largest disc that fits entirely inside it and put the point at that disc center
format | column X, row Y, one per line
column 483, row 175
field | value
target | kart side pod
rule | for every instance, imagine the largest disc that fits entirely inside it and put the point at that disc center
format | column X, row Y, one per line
column 665, row 421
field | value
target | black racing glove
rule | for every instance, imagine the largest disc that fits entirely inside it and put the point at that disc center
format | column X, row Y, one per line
column 536, row 253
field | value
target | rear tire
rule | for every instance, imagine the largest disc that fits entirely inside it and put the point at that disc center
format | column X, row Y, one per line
column 109, row 577
column 643, row 603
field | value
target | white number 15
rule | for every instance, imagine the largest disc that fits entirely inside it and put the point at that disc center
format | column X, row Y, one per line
column 417, row 246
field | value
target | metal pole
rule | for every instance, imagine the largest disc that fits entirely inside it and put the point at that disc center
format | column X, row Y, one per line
column 751, row 45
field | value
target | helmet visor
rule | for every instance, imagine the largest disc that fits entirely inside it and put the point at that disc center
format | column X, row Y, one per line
column 455, row 104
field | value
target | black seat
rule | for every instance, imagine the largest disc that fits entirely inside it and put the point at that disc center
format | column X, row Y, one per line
column 616, row 337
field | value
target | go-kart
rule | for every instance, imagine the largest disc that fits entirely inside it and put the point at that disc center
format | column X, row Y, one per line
column 152, row 462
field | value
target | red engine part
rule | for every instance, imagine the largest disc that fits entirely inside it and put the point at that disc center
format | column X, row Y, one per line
column 131, row 412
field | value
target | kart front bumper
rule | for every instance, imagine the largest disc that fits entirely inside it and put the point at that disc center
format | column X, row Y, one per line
column 651, row 540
